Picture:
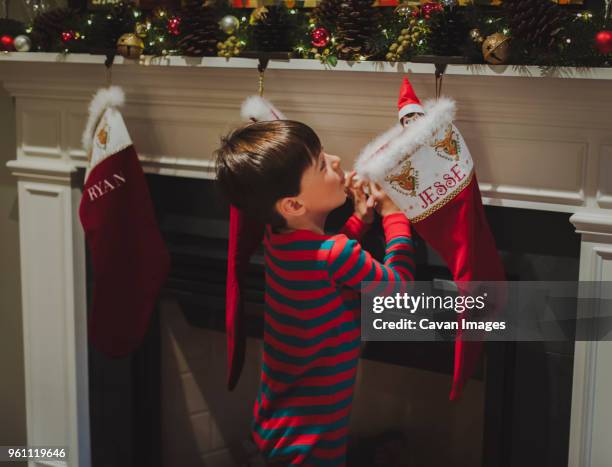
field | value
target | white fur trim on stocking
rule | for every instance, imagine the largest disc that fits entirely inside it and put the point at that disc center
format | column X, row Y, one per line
column 388, row 149
column 260, row 109
column 112, row 96
column 105, row 134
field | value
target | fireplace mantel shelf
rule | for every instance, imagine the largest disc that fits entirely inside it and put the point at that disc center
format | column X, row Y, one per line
column 314, row 65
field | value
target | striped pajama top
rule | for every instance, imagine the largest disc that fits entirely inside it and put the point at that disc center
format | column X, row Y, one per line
column 311, row 338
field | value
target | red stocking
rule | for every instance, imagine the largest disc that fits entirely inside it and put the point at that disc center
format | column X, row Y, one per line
column 427, row 169
column 245, row 235
column 459, row 232
column 130, row 261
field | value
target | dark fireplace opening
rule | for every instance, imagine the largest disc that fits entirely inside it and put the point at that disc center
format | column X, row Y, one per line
column 526, row 395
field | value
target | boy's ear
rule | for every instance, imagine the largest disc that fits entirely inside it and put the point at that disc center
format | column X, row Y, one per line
column 289, row 207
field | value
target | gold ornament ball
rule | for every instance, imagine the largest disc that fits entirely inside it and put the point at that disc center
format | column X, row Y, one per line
column 229, row 24
column 496, row 48
column 403, row 9
column 130, row 45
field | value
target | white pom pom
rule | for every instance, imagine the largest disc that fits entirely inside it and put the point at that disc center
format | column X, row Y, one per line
column 258, row 108
column 112, row 96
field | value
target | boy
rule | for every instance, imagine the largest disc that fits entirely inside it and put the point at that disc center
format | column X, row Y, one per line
column 277, row 172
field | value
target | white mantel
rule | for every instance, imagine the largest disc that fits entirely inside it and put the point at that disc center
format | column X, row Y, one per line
column 539, row 142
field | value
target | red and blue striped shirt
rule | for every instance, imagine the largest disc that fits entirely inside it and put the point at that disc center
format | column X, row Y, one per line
column 311, row 337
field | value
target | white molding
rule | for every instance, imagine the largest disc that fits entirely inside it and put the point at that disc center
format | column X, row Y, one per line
column 604, row 191
column 54, row 312
column 534, row 195
column 177, row 167
column 315, row 65
column 602, row 254
column 58, row 171
column 583, row 397
column 49, row 464
column 594, row 223
column 589, row 440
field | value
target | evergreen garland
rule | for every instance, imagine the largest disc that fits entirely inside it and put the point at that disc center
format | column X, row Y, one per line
column 541, row 32
column 449, row 32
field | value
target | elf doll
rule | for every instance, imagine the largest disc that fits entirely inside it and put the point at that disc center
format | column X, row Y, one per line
column 425, row 166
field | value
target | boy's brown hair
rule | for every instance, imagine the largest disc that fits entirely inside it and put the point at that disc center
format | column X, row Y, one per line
column 259, row 163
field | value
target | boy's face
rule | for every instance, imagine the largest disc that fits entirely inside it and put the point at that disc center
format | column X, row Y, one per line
column 322, row 188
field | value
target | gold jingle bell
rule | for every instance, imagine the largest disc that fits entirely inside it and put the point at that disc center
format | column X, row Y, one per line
column 496, row 48
column 130, row 45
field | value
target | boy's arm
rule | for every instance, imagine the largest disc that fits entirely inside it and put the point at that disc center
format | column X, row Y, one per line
column 354, row 227
column 349, row 264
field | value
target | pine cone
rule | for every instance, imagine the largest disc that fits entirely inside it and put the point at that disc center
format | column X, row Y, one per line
column 326, row 14
column 535, row 22
column 357, row 24
column 271, row 33
column 47, row 28
column 199, row 28
column 449, row 32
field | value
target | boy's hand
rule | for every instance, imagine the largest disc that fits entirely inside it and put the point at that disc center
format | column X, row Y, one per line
column 364, row 206
column 383, row 204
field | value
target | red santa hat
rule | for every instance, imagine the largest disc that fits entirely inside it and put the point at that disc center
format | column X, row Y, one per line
column 408, row 101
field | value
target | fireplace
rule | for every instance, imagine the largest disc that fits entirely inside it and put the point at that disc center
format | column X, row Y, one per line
column 543, row 153
column 521, row 392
